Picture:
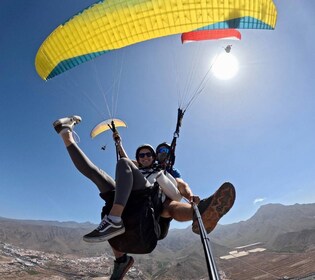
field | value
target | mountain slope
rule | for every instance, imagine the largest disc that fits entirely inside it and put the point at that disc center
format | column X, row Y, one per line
column 269, row 222
column 288, row 229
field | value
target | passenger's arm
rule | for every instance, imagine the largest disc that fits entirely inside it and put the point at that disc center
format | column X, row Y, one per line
column 120, row 148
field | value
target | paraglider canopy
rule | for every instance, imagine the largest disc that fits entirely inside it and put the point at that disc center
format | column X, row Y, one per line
column 111, row 24
column 216, row 34
column 106, row 125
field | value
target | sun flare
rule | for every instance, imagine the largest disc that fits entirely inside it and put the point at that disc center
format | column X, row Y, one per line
column 225, row 66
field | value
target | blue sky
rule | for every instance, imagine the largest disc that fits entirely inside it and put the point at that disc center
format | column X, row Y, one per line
column 255, row 130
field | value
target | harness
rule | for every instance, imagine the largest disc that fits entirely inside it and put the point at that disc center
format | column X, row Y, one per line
column 141, row 220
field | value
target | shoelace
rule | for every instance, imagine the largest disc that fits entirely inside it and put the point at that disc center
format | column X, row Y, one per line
column 76, row 137
column 102, row 224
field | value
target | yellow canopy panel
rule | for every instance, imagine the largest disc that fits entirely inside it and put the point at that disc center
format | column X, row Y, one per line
column 113, row 24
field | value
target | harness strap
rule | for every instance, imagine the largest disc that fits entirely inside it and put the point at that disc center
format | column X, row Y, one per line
column 171, row 159
column 114, row 130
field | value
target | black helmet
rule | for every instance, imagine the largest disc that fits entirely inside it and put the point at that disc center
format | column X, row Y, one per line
column 145, row 146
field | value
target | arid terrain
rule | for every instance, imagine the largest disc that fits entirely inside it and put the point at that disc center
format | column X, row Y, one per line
column 278, row 242
column 16, row 263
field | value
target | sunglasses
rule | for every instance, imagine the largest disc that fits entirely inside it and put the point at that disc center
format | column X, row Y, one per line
column 142, row 155
column 163, row 150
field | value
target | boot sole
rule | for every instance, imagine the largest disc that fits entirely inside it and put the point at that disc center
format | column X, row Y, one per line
column 222, row 201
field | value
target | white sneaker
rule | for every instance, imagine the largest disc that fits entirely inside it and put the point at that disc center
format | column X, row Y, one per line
column 67, row 122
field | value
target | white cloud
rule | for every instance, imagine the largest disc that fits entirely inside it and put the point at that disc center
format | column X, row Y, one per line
column 259, row 200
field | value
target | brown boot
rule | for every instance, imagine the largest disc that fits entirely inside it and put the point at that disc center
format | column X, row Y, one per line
column 213, row 208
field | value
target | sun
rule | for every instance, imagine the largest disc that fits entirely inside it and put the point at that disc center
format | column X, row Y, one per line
column 225, row 66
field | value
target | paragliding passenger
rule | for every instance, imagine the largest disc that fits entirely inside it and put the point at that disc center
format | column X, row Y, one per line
column 140, row 175
column 163, row 153
column 209, row 208
column 128, row 177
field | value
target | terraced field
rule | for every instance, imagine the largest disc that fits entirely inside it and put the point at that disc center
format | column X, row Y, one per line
column 269, row 266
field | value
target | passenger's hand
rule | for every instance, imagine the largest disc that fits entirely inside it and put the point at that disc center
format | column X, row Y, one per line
column 116, row 137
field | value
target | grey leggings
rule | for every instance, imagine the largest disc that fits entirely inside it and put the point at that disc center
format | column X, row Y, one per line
column 128, row 176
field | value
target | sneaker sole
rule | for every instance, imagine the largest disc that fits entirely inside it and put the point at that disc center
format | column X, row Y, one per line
column 222, row 201
column 103, row 238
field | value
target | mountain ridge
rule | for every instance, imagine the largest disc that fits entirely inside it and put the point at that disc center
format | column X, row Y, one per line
column 288, row 230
